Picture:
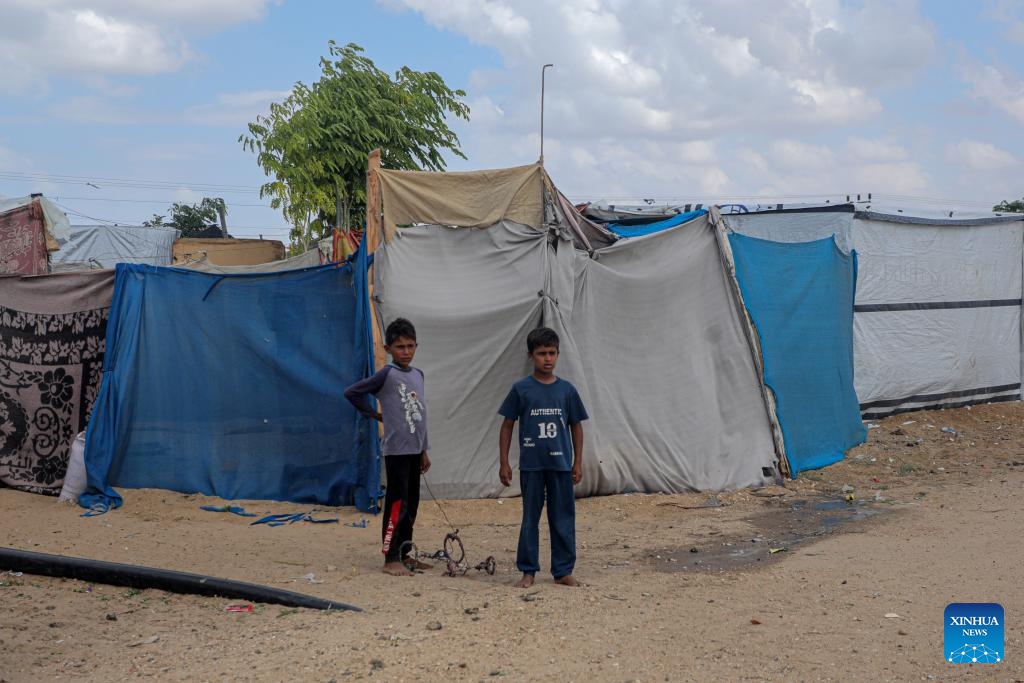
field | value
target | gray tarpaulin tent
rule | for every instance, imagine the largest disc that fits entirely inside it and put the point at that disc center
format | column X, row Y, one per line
column 937, row 314
column 104, row 246
column 652, row 333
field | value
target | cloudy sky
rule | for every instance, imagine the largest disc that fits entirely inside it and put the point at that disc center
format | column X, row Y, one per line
column 116, row 108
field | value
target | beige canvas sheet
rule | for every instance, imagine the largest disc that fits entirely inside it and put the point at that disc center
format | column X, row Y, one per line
column 475, row 199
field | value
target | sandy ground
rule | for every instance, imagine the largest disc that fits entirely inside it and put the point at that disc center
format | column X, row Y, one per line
column 673, row 591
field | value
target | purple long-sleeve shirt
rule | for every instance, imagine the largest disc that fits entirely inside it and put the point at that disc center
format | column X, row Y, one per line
column 402, row 404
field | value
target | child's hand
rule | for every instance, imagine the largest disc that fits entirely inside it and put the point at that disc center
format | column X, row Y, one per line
column 577, row 474
column 424, row 463
column 505, row 474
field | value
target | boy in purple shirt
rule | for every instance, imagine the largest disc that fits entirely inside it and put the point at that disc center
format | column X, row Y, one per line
column 550, row 415
column 399, row 388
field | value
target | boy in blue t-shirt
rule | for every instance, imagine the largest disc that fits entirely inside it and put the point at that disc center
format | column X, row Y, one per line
column 550, row 414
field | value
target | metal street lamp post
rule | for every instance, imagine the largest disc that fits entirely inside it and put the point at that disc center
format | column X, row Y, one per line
column 542, row 70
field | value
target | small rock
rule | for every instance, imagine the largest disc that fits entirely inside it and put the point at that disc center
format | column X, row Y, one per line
column 892, row 615
column 377, row 664
column 434, row 626
column 471, row 610
column 847, row 488
column 901, row 632
column 111, row 616
column 694, row 550
column 416, row 594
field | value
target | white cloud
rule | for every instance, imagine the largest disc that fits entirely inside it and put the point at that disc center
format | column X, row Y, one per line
column 90, row 40
column 1010, row 15
column 234, row 109
column 998, row 86
column 229, row 109
column 795, row 155
column 669, row 68
column 979, row 156
column 891, row 178
column 483, row 20
column 864, row 149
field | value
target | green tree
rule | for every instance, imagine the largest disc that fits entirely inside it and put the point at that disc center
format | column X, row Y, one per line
column 190, row 219
column 314, row 144
column 1010, row 207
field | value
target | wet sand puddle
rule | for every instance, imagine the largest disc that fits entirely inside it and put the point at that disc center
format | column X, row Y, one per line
column 778, row 529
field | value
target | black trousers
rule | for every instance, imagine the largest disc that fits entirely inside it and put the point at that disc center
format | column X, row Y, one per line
column 401, row 501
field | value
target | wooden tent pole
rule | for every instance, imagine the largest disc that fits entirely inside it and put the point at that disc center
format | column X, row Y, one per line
column 371, row 240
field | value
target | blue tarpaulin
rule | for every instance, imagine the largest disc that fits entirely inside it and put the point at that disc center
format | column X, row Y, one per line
column 232, row 385
column 800, row 297
column 627, row 230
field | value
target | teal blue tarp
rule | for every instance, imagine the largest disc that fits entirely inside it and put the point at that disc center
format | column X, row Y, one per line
column 633, row 229
column 800, row 297
column 232, row 385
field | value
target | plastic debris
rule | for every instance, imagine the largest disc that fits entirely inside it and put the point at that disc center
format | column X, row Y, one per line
column 949, row 430
column 233, row 509
column 361, row 524
column 909, row 422
column 311, row 577
column 847, row 488
column 892, row 615
column 772, row 551
column 282, row 519
column 238, row 608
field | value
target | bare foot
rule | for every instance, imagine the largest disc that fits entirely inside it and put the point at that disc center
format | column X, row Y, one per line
column 396, row 569
column 524, row 582
column 568, row 580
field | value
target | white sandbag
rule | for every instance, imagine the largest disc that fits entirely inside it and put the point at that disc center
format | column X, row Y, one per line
column 75, row 478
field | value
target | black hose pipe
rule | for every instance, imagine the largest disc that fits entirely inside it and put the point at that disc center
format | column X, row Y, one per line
column 135, row 576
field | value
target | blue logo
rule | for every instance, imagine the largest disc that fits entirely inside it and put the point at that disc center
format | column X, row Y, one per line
column 974, row 633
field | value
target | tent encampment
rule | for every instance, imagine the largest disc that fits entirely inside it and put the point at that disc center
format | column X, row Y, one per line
column 651, row 333
column 231, row 385
column 937, row 314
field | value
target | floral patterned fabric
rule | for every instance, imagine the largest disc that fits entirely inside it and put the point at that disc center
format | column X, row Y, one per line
column 23, row 240
column 52, row 338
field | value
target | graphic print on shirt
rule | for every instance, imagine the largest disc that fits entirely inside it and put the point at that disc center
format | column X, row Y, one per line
column 546, row 429
column 413, row 407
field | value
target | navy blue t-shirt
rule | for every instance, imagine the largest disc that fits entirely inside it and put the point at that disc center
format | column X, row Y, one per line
column 545, row 412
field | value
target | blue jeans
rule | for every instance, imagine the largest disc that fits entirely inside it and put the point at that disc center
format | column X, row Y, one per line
column 557, row 488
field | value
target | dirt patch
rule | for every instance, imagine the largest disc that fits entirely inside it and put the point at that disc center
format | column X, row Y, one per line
column 948, row 511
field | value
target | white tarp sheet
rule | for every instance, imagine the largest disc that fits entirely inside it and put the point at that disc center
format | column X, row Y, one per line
column 104, row 246
column 937, row 316
column 650, row 336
